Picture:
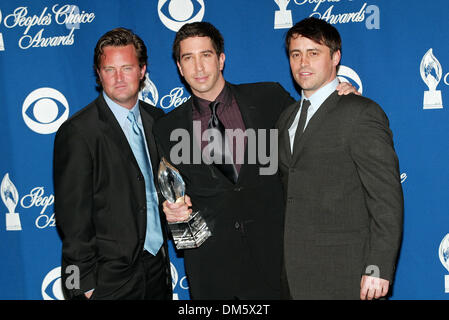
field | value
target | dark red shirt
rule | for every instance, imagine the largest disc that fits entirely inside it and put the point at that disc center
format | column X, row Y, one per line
column 229, row 114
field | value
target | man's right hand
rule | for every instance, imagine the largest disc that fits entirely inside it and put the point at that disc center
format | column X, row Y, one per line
column 178, row 211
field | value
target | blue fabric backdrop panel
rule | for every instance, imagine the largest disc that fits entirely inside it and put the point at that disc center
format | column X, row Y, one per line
column 395, row 52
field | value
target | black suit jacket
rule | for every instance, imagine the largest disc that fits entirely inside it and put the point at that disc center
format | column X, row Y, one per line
column 242, row 258
column 344, row 202
column 100, row 202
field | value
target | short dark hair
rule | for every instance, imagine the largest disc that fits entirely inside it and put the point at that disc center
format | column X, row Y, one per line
column 120, row 37
column 198, row 29
column 316, row 30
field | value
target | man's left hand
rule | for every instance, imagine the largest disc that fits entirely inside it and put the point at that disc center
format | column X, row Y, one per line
column 373, row 288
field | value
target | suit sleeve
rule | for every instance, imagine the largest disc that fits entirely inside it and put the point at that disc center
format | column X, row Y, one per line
column 285, row 98
column 377, row 165
column 73, row 185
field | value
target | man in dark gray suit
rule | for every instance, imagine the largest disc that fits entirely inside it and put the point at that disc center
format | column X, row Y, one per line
column 344, row 202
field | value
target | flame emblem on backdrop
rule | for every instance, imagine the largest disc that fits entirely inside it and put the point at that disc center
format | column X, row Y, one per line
column 10, row 198
column 2, row 45
column 149, row 93
column 431, row 73
column 443, row 252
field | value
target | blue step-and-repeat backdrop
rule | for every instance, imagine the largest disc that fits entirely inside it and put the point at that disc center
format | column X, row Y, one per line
column 395, row 52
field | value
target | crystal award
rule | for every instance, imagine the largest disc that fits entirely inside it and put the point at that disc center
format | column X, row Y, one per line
column 192, row 232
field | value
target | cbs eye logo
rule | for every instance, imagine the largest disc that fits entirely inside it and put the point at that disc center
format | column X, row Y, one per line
column 51, row 285
column 175, row 13
column 44, row 110
column 345, row 74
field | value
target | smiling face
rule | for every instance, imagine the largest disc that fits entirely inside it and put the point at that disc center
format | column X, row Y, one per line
column 201, row 67
column 311, row 64
column 120, row 74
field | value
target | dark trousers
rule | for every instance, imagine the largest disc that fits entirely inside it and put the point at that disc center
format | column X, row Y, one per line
column 285, row 289
column 156, row 286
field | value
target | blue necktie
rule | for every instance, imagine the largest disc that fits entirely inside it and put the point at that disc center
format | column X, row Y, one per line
column 153, row 237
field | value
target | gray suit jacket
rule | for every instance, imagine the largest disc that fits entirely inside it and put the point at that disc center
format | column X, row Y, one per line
column 344, row 202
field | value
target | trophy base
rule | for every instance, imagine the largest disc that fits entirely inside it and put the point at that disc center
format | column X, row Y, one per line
column 191, row 233
column 13, row 222
column 283, row 19
column 446, row 283
column 432, row 100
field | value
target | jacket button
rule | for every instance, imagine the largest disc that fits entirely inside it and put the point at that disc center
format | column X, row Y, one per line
column 237, row 189
column 140, row 177
column 237, row 225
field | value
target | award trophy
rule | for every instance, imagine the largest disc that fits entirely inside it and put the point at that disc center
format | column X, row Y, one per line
column 192, row 232
column 431, row 72
column 10, row 198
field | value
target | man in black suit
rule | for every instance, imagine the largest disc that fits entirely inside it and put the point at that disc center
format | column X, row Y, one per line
column 344, row 202
column 243, row 208
column 106, row 201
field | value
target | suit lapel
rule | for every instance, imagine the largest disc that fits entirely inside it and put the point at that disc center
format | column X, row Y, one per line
column 290, row 117
column 250, row 119
column 314, row 124
column 148, row 122
column 113, row 131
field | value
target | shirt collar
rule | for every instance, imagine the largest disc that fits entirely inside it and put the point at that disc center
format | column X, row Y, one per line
column 317, row 99
column 121, row 113
column 202, row 105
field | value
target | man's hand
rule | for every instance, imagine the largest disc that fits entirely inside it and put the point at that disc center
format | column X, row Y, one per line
column 89, row 293
column 345, row 88
column 178, row 211
column 373, row 287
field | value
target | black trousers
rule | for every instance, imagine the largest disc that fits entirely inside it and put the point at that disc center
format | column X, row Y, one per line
column 156, row 287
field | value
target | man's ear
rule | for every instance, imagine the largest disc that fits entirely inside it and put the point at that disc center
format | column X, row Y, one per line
column 336, row 57
column 142, row 72
column 179, row 68
column 221, row 60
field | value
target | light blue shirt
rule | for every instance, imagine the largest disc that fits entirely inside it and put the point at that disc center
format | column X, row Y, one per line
column 316, row 100
column 121, row 114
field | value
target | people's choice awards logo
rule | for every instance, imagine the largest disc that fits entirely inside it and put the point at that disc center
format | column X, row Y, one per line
column 10, row 198
column 345, row 74
column 41, row 111
column 443, row 252
column 431, row 73
column 27, row 20
column 282, row 17
column 52, row 285
column 149, row 93
column 175, row 13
